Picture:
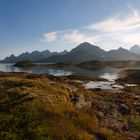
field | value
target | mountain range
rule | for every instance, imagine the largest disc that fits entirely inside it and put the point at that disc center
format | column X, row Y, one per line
column 34, row 56
column 81, row 53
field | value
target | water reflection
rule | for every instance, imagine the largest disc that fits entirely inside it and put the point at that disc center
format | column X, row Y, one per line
column 108, row 85
column 59, row 72
column 108, row 73
column 110, row 76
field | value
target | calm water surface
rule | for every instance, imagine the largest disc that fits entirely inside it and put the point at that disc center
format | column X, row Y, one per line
column 109, row 73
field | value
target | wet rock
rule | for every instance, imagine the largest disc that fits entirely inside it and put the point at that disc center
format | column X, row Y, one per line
column 124, row 109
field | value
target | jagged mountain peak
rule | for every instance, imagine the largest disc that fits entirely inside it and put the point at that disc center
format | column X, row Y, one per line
column 85, row 44
column 135, row 49
column 136, row 46
column 87, row 47
column 12, row 55
column 121, row 48
column 83, row 52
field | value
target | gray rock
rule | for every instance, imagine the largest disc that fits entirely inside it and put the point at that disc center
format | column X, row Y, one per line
column 79, row 101
column 124, row 109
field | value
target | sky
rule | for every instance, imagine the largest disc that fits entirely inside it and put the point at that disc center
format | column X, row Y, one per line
column 29, row 25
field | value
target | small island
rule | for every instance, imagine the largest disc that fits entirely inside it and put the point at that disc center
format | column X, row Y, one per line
column 25, row 63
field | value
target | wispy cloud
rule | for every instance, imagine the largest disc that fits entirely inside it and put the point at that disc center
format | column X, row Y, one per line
column 78, row 37
column 50, row 37
column 122, row 30
column 118, row 30
column 74, row 36
column 117, row 23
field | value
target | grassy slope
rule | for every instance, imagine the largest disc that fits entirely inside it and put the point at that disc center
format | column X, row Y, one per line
column 39, row 107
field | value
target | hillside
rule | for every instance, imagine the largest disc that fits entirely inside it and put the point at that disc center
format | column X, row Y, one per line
column 58, row 108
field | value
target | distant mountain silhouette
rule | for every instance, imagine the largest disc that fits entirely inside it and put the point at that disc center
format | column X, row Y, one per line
column 122, row 54
column 83, row 52
column 88, row 52
column 34, row 56
column 135, row 49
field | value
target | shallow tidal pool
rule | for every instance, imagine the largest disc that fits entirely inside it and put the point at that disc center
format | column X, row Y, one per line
column 107, row 85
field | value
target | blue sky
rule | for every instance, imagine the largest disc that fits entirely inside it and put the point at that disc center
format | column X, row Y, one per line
column 28, row 25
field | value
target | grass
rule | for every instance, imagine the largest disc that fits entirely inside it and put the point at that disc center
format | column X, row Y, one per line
column 35, row 107
column 134, row 122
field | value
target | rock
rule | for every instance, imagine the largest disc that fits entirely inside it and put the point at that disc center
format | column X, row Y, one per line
column 100, row 114
column 138, row 109
column 124, row 109
column 125, row 128
column 74, row 98
column 79, row 101
column 121, row 101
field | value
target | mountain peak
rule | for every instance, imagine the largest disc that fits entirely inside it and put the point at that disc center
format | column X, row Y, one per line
column 87, row 47
column 83, row 52
column 12, row 55
column 135, row 46
column 85, row 43
column 121, row 48
column 135, row 49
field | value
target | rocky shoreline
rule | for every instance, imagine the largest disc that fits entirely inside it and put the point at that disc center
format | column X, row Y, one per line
column 40, row 106
column 130, row 76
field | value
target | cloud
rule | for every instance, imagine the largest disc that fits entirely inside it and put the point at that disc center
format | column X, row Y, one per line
column 74, row 36
column 120, row 30
column 117, row 23
column 111, row 33
column 129, row 38
column 50, row 37
column 78, row 37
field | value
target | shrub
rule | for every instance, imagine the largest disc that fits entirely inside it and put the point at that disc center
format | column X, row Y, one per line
column 25, row 63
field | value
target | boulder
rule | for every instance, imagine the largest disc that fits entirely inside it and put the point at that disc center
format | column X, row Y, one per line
column 124, row 109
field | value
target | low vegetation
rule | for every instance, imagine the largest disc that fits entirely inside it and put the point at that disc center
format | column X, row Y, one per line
column 42, row 107
column 25, row 63
column 98, row 65
column 131, row 76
